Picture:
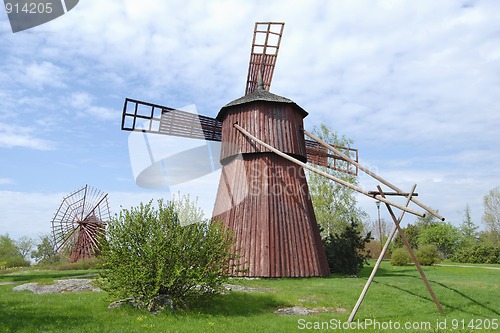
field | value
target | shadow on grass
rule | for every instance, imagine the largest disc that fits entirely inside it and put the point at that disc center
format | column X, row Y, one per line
column 16, row 316
column 482, row 305
column 240, row 304
column 444, row 303
column 384, row 272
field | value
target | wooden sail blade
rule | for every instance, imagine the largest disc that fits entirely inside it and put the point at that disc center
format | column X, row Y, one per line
column 319, row 155
column 265, row 46
column 152, row 118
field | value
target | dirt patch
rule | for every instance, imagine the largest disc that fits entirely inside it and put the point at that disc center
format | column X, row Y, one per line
column 300, row 311
column 233, row 287
column 59, row 287
column 6, row 283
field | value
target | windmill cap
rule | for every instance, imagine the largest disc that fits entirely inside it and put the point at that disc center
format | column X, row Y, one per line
column 262, row 96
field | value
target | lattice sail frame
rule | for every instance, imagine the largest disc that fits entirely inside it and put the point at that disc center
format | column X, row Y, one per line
column 79, row 223
column 265, row 46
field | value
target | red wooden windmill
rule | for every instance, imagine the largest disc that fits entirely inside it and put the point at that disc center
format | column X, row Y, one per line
column 262, row 196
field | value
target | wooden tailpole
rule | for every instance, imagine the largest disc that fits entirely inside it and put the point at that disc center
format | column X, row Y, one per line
column 380, row 258
column 374, row 175
column 412, row 254
column 380, row 197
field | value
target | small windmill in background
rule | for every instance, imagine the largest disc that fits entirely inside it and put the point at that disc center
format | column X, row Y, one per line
column 79, row 223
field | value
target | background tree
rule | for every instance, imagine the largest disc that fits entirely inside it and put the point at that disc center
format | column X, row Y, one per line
column 468, row 228
column 412, row 233
column 335, row 205
column 429, row 219
column 187, row 209
column 444, row 236
column 345, row 250
column 25, row 245
column 45, row 252
column 491, row 217
column 9, row 253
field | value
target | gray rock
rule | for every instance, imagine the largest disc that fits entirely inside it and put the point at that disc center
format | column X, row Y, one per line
column 59, row 286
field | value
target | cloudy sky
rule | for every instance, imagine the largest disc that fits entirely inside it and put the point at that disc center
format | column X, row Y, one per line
column 415, row 84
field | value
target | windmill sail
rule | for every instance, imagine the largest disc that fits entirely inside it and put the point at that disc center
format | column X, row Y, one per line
column 265, row 47
column 168, row 121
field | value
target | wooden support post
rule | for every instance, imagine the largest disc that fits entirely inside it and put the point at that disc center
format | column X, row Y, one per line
column 324, row 174
column 379, row 260
column 412, row 254
column 368, row 172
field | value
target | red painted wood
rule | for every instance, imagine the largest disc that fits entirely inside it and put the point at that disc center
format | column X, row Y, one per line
column 263, row 197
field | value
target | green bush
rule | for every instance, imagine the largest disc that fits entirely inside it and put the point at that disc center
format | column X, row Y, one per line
column 477, row 253
column 151, row 257
column 17, row 261
column 344, row 251
column 428, row 255
column 400, row 257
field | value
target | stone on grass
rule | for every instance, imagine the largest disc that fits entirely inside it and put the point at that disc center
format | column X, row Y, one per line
column 59, row 286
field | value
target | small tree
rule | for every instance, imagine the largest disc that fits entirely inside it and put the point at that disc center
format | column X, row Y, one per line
column 150, row 257
column 444, row 236
column 25, row 245
column 334, row 205
column 45, row 252
column 491, row 217
column 9, row 253
column 412, row 234
column 344, row 251
column 468, row 228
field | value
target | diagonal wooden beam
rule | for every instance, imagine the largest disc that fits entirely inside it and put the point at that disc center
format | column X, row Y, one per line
column 324, row 174
column 374, row 175
column 412, row 254
column 380, row 258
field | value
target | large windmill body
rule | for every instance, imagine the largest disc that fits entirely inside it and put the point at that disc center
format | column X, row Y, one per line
column 262, row 197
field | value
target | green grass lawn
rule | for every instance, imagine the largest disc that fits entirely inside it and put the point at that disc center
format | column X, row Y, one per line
column 398, row 295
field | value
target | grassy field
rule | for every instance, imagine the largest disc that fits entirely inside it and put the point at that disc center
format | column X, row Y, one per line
column 470, row 298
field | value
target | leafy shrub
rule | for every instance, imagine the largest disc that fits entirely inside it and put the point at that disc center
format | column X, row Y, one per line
column 478, row 253
column 444, row 236
column 428, row 255
column 344, row 251
column 150, row 257
column 17, row 261
column 400, row 257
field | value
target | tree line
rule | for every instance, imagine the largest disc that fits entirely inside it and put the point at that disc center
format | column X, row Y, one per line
column 20, row 252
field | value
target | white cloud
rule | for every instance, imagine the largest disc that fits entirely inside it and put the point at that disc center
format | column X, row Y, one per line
column 84, row 104
column 12, row 136
column 6, row 181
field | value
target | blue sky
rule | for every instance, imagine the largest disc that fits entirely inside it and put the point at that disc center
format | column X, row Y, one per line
column 414, row 84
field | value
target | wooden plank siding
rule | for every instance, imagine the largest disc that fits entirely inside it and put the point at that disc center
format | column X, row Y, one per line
column 265, row 200
column 280, row 125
